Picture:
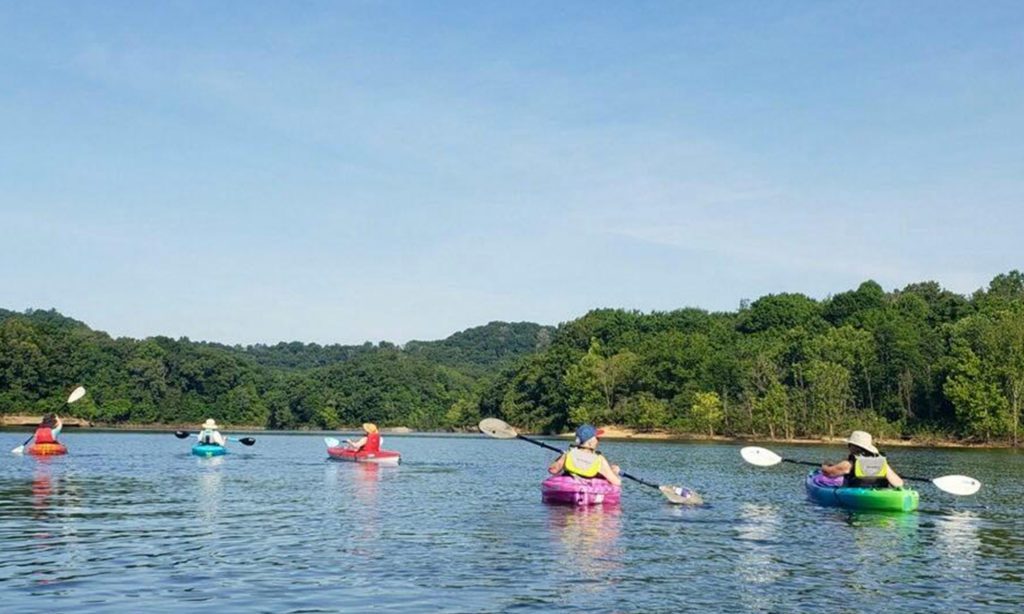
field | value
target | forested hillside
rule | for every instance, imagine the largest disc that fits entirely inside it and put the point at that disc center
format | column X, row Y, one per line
column 288, row 385
column 921, row 361
column 918, row 361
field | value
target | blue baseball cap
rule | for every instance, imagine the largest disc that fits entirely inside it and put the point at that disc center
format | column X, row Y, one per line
column 586, row 432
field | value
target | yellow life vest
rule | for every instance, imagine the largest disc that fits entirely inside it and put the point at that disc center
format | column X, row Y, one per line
column 582, row 462
column 870, row 470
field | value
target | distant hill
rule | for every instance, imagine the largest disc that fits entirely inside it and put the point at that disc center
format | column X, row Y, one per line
column 295, row 355
column 426, row 385
column 486, row 347
column 477, row 350
column 49, row 319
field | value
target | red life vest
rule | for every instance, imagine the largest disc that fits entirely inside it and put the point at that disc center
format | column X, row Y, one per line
column 372, row 443
column 44, row 434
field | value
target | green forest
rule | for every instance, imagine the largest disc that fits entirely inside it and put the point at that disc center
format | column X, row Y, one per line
column 921, row 362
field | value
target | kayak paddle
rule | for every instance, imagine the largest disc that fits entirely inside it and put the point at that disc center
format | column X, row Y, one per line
column 76, row 394
column 245, row 441
column 334, row 442
column 961, row 485
column 675, row 494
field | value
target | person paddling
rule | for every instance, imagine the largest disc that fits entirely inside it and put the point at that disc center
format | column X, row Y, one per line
column 210, row 435
column 583, row 460
column 48, row 429
column 865, row 467
column 369, row 442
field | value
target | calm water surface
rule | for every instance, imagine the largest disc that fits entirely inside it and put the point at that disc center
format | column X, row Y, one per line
column 133, row 522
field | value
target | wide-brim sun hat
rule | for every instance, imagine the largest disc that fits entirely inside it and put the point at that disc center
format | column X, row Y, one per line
column 369, row 427
column 210, row 424
column 862, row 440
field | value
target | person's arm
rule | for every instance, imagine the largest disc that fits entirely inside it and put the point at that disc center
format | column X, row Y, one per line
column 610, row 472
column 56, row 429
column 357, row 444
column 834, row 471
column 894, row 479
column 556, row 467
column 219, row 439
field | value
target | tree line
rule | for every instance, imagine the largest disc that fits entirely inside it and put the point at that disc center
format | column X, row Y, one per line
column 917, row 362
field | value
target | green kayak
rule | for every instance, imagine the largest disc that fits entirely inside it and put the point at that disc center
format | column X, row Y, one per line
column 827, row 491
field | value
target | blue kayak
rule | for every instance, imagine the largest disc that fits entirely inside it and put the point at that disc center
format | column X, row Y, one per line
column 208, row 449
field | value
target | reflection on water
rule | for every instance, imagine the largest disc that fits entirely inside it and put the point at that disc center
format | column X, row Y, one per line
column 759, row 529
column 958, row 542
column 209, row 489
column 367, row 478
column 42, row 489
column 586, row 543
column 353, row 494
column 367, row 510
column 129, row 523
column 589, row 535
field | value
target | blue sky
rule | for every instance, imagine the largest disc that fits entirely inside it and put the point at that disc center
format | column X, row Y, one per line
column 338, row 172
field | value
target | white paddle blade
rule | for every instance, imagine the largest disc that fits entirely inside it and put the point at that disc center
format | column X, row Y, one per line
column 957, row 484
column 762, row 457
column 497, row 428
column 331, row 442
column 76, row 394
column 18, row 450
column 680, row 495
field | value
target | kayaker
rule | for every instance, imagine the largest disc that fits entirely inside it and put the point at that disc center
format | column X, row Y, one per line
column 865, row 467
column 370, row 442
column 48, row 429
column 210, row 435
column 583, row 459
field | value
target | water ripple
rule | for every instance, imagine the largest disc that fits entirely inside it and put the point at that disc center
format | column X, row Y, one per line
column 132, row 522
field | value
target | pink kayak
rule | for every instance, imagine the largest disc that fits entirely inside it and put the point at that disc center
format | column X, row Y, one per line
column 381, row 457
column 572, row 490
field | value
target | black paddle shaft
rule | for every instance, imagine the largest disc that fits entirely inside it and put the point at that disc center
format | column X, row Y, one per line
column 810, row 464
column 245, row 441
column 30, row 437
column 554, row 449
column 796, row 462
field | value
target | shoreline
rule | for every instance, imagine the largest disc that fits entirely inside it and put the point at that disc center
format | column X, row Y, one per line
column 612, row 433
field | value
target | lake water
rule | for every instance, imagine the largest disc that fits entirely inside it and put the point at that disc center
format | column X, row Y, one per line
column 131, row 522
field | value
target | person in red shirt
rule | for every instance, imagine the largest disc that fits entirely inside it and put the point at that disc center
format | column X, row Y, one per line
column 370, row 442
column 48, row 429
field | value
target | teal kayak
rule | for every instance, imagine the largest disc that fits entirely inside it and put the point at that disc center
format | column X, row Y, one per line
column 829, row 492
column 207, row 449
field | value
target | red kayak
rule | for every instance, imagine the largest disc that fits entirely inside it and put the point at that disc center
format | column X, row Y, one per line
column 380, row 457
column 46, row 449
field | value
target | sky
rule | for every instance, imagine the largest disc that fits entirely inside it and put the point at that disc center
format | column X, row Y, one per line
column 341, row 172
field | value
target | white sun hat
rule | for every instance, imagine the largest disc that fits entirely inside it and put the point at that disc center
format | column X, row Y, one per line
column 862, row 440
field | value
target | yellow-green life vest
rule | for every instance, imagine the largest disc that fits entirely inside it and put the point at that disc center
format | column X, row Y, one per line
column 869, row 471
column 582, row 462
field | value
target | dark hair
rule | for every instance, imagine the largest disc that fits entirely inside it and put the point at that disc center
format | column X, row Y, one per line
column 864, row 452
column 49, row 421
